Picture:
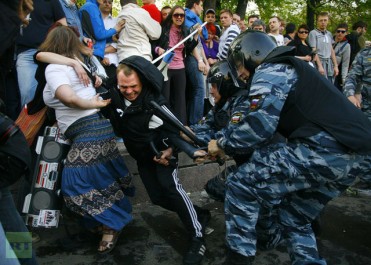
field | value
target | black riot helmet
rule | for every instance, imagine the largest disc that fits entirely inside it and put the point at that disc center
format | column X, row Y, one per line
column 249, row 49
column 221, row 74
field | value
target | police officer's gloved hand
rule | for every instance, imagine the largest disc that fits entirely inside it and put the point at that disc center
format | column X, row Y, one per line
column 214, row 150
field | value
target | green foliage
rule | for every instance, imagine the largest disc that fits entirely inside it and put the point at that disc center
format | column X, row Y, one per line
column 80, row 2
column 340, row 11
column 171, row 3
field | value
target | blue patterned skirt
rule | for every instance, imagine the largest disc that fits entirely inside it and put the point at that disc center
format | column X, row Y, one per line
column 94, row 172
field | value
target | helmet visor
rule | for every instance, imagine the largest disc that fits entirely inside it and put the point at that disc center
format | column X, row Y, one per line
column 236, row 64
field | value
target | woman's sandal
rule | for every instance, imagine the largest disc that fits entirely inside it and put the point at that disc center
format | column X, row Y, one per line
column 106, row 246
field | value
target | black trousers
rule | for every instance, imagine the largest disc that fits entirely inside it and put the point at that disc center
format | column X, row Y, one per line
column 163, row 187
column 175, row 93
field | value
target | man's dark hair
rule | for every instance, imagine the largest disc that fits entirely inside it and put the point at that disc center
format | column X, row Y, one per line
column 278, row 18
column 189, row 3
column 252, row 16
column 125, row 2
column 290, row 28
column 342, row 26
column 359, row 24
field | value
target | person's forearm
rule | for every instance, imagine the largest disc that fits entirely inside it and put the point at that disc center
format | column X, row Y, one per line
column 54, row 58
column 69, row 98
column 79, row 103
column 318, row 61
column 196, row 54
column 204, row 56
column 333, row 58
column 110, row 49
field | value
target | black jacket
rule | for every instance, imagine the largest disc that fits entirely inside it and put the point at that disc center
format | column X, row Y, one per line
column 132, row 122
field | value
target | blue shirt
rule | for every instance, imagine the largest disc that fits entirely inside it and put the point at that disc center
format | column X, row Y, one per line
column 100, row 33
column 191, row 19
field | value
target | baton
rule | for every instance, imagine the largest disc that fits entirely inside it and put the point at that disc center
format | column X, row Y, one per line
column 167, row 115
column 178, row 44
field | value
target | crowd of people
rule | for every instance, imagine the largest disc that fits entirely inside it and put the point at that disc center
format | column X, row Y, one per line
column 273, row 100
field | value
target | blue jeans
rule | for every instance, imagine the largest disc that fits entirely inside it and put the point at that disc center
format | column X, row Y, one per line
column 26, row 69
column 12, row 221
column 197, row 90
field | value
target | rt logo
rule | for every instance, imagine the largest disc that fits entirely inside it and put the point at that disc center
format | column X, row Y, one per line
column 18, row 245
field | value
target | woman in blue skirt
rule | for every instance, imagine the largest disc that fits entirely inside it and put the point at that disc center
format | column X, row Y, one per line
column 94, row 173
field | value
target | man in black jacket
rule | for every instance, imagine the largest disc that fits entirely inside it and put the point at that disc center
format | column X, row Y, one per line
column 139, row 83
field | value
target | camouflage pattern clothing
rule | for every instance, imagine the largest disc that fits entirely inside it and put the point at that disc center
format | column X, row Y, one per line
column 208, row 127
column 286, row 184
column 360, row 76
column 360, row 73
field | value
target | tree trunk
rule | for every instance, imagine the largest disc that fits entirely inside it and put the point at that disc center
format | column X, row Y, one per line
column 241, row 8
column 209, row 4
column 311, row 5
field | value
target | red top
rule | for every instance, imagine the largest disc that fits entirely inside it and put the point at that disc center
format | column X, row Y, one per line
column 153, row 12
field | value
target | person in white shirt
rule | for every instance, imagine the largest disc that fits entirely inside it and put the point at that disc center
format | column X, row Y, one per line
column 139, row 29
column 274, row 30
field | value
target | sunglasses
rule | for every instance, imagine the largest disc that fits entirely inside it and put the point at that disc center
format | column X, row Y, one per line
column 341, row 31
column 179, row 15
column 303, row 32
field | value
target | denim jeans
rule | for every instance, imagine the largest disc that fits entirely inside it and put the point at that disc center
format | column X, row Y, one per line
column 12, row 222
column 26, row 69
column 197, row 90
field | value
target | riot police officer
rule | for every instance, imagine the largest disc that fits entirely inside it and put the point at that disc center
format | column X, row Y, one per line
column 295, row 178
